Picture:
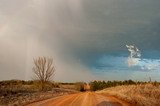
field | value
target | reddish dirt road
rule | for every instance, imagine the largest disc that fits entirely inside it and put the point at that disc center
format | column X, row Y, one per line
column 82, row 99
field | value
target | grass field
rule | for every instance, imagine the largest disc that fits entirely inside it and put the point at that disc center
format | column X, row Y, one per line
column 140, row 95
column 16, row 92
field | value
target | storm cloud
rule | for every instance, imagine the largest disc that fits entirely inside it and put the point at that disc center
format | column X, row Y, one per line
column 76, row 33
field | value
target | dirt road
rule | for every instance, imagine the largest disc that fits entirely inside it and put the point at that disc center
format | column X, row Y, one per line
column 82, row 99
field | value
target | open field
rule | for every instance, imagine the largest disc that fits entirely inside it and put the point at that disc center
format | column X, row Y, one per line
column 140, row 95
column 16, row 92
column 100, row 93
column 22, row 98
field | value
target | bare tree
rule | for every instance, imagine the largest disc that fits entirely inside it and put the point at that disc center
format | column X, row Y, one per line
column 43, row 70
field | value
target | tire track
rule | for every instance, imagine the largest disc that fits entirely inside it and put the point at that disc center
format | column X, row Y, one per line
column 83, row 99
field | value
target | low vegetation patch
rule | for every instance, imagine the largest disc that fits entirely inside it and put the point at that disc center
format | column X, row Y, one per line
column 140, row 94
column 18, row 92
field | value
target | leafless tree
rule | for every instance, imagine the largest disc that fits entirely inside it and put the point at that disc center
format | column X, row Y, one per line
column 43, row 70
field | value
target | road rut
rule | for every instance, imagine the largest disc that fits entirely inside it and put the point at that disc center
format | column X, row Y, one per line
column 82, row 99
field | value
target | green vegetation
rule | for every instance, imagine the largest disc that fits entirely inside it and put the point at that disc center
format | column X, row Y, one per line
column 99, row 85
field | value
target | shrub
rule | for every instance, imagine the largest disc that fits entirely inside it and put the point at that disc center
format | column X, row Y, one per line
column 99, row 85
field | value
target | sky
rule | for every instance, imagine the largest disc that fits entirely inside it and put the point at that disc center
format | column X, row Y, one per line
column 86, row 38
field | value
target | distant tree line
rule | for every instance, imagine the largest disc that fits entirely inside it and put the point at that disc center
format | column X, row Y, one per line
column 99, row 85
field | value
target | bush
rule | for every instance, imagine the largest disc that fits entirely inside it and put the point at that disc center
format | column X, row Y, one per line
column 99, row 85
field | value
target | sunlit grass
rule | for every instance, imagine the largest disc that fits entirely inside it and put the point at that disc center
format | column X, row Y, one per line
column 141, row 95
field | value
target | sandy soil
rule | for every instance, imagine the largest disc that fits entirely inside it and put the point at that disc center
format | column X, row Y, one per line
column 82, row 99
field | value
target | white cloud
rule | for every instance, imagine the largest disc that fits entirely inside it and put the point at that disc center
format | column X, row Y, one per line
column 149, row 64
column 144, row 64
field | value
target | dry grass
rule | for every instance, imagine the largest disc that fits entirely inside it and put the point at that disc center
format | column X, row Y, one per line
column 21, row 95
column 67, row 86
column 140, row 95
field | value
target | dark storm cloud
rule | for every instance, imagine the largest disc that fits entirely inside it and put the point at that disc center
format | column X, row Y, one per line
column 76, row 31
column 107, row 26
